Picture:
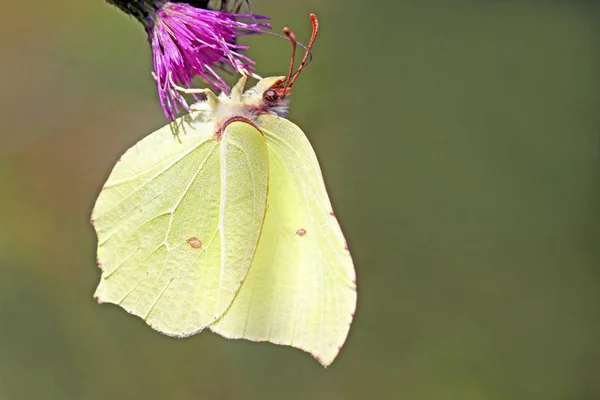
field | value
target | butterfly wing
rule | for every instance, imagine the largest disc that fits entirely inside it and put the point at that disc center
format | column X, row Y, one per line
column 178, row 222
column 300, row 290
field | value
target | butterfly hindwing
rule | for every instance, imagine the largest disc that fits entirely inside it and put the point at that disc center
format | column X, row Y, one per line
column 300, row 290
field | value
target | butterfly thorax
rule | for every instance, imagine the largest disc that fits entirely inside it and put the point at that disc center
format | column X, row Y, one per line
column 264, row 98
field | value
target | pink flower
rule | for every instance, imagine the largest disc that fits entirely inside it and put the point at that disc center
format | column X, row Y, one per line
column 187, row 42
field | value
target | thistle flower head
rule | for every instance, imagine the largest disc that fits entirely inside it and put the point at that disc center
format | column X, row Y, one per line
column 187, row 42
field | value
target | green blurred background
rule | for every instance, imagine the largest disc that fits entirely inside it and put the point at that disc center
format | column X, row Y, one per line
column 460, row 141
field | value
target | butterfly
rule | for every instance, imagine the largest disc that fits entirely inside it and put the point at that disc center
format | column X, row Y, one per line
column 228, row 226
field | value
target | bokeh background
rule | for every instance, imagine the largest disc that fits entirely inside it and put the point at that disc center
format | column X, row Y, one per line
column 460, row 141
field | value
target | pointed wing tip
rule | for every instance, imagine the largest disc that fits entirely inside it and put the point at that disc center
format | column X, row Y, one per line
column 325, row 360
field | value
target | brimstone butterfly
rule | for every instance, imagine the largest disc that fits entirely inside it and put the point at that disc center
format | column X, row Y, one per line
column 228, row 226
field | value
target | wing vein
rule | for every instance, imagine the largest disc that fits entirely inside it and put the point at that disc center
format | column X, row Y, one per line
column 185, row 192
column 148, row 150
column 159, row 173
column 220, row 224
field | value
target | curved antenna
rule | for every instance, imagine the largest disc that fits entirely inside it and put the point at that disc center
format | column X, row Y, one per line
column 292, row 38
column 307, row 55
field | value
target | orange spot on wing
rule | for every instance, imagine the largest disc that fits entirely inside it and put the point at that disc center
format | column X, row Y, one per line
column 194, row 242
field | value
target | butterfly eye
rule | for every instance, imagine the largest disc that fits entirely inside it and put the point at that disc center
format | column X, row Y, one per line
column 271, row 96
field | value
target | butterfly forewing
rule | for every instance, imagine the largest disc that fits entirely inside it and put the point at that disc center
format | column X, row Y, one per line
column 178, row 222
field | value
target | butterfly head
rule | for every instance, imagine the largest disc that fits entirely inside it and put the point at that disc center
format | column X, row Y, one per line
column 272, row 95
column 269, row 96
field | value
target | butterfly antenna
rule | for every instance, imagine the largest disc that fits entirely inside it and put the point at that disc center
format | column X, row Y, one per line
column 292, row 38
column 307, row 55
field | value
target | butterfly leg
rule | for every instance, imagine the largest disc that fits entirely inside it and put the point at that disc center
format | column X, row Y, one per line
column 181, row 89
column 211, row 98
